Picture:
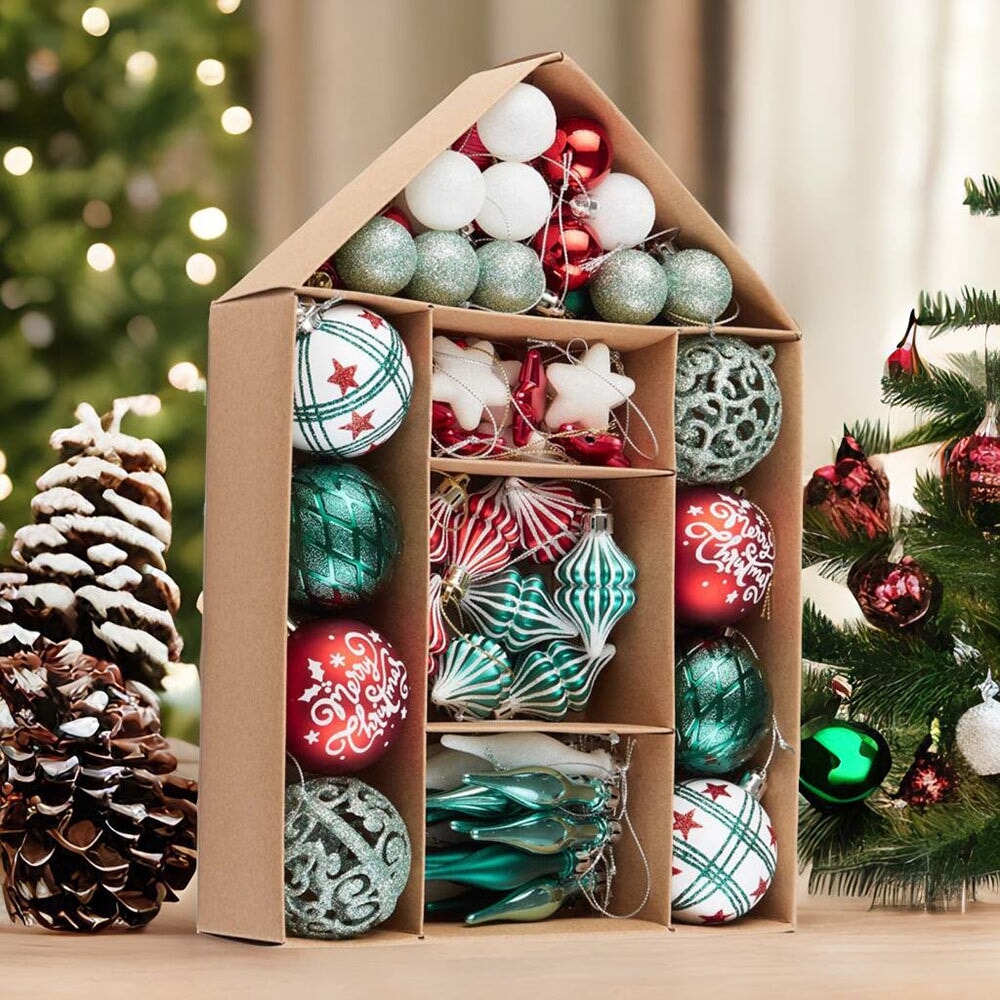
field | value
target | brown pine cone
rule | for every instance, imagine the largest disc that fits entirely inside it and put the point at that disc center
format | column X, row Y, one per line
column 95, row 830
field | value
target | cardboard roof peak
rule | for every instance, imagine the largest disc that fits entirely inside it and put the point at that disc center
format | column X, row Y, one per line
column 572, row 91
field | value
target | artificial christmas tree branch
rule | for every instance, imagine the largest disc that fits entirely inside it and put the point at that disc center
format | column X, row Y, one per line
column 972, row 307
column 983, row 200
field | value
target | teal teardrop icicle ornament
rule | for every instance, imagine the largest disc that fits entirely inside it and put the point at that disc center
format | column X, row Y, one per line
column 474, row 678
column 496, row 867
column 515, row 611
column 466, row 800
column 595, row 582
column 545, row 788
column 542, row 832
column 535, row 901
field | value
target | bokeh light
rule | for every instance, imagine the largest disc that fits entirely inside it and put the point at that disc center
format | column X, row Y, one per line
column 18, row 160
column 95, row 21
column 210, row 72
column 100, row 257
column 208, row 223
column 200, row 268
column 236, row 120
column 140, row 67
column 185, row 376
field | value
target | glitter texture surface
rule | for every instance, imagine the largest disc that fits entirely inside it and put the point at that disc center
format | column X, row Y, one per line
column 727, row 408
column 630, row 287
column 699, row 287
column 511, row 277
column 379, row 258
column 447, row 269
column 347, row 858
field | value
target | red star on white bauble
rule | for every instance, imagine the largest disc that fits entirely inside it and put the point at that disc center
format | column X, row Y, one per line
column 725, row 852
column 468, row 379
column 587, row 391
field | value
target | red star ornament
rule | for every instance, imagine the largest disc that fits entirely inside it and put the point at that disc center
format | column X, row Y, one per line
column 685, row 823
column 719, row 917
column 375, row 320
column 716, row 791
column 343, row 377
column 360, row 422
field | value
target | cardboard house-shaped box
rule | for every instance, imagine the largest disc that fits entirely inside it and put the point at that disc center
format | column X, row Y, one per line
column 251, row 359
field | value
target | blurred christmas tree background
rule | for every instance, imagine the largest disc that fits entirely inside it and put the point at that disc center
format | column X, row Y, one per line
column 124, row 209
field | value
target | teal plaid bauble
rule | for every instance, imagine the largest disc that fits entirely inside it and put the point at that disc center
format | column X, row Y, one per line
column 345, row 536
column 725, row 852
column 353, row 381
column 723, row 705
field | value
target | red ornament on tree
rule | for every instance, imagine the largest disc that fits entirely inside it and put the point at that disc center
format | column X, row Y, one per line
column 470, row 145
column 345, row 697
column 973, row 467
column 724, row 556
column 529, row 397
column 930, row 779
column 581, row 155
column 894, row 595
column 904, row 362
column 564, row 251
column 851, row 495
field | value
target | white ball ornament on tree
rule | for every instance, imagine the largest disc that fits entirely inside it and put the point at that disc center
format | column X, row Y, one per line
column 448, row 193
column 511, row 277
column 977, row 732
column 520, row 126
column 586, row 391
column 353, row 381
column 518, row 202
column 725, row 852
column 620, row 210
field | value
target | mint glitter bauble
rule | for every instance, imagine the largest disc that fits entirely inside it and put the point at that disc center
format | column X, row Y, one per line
column 379, row 258
column 699, row 287
column 345, row 536
column 629, row 287
column 723, row 705
column 727, row 408
column 725, row 852
column 511, row 277
column 447, row 269
column 347, row 858
column 353, row 380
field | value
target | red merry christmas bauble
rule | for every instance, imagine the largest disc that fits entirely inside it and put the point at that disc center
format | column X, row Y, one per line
column 345, row 699
column 724, row 556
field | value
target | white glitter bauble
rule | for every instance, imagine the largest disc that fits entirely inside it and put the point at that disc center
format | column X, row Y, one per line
column 520, row 126
column 977, row 735
column 353, row 382
column 518, row 202
column 725, row 852
column 448, row 193
column 625, row 211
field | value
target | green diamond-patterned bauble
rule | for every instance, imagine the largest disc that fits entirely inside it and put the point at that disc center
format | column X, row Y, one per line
column 511, row 277
column 727, row 408
column 725, row 852
column 347, row 858
column 345, row 536
column 699, row 287
column 380, row 258
column 630, row 287
column 723, row 705
column 447, row 269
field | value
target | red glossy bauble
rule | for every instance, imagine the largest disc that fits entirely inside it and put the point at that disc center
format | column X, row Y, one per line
column 894, row 595
column 723, row 556
column 469, row 144
column 563, row 252
column 345, row 697
column 583, row 144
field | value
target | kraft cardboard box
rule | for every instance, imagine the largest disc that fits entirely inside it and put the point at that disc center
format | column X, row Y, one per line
column 249, row 461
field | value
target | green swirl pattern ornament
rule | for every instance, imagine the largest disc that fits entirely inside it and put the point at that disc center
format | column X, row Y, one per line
column 515, row 610
column 723, row 705
column 345, row 536
column 347, row 858
column 727, row 408
column 474, row 678
column 594, row 582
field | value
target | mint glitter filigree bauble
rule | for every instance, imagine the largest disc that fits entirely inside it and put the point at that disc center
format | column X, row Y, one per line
column 347, row 858
column 727, row 408
column 345, row 536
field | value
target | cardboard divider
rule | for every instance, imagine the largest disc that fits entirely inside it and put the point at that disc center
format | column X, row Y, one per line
column 637, row 686
column 642, row 854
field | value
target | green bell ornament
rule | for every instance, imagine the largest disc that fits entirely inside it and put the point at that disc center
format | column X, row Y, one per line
column 345, row 536
column 594, row 582
column 496, row 867
column 723, row 704
column 543, row 832
column 515, row 610
column 379, row 258
column 842, row 762
column 473, row 679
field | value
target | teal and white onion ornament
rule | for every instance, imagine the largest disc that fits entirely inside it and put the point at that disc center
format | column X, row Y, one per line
column 473, row 679
column 379, row 258
column 594, row 582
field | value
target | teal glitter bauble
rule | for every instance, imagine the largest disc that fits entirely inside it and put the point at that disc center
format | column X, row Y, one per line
column 380, row 258
column 727, row 408
column 511, row 277
column 629, row 287
column 699, row 287
column 347, row 858
column 723, row 706
column 447, row 269
column 345, row 536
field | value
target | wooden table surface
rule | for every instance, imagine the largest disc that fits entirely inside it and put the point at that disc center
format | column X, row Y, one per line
column 840, row 949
